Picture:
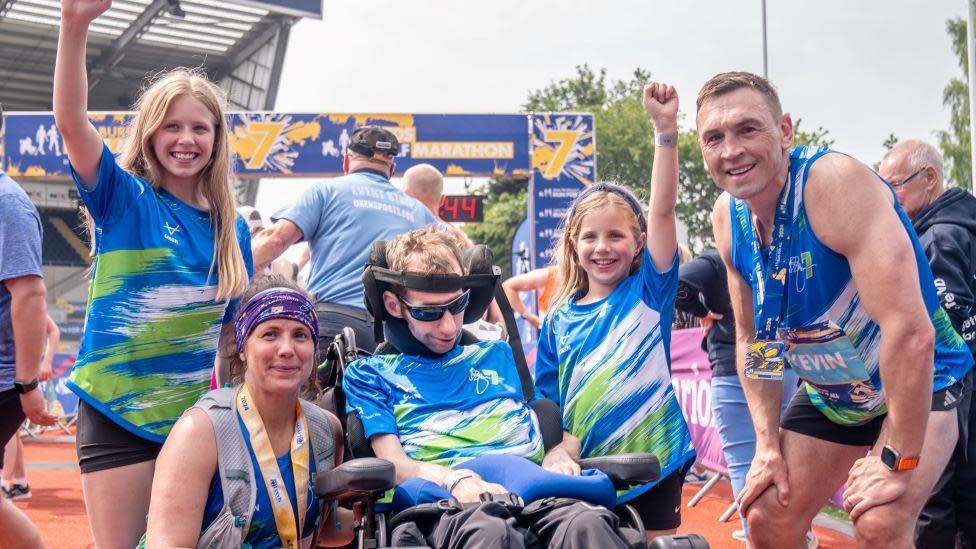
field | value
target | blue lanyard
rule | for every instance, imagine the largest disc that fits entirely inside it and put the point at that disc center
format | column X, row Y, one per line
column 772, row 276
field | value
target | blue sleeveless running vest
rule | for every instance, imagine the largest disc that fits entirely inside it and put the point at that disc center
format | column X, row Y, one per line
column 832, row 342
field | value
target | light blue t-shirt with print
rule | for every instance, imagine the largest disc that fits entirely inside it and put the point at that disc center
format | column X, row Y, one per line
column 465, row 404
column 340, row 219
column 20, row 255
column 153, row 323
column 608, row 365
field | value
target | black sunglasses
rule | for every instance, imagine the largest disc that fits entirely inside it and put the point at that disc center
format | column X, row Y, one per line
column 430, row 313
column 907, row 179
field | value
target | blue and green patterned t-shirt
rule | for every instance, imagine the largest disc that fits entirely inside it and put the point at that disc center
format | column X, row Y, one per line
column 153, row 323
column 608, row 365
column 446, row 410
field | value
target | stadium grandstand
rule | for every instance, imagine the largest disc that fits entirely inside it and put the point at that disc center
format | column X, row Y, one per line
column 240, row 45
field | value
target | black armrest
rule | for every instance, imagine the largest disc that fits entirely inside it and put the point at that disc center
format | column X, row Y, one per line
column 625, row 469
column 550, row 421
column 355, row 479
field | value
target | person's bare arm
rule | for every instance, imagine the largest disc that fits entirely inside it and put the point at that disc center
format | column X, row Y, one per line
column 181, row 483
column 226, row 347
column 564, row 457
column 82, row 143
column 53, row 340
column 28, row 309
column 273, row 241
column 661, row 104
column 388, row 447
column 534, row 280
column 850, row 211
column 762, row 396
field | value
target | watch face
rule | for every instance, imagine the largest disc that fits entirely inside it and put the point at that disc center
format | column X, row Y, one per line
column 889, row 458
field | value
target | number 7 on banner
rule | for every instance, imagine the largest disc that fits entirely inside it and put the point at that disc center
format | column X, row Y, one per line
column 566, row 140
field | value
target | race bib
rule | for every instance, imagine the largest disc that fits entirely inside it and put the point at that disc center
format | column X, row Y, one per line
column 823, row 356
column 764, row 360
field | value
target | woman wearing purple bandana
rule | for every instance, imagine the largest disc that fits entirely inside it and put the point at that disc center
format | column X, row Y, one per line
column 259, row 427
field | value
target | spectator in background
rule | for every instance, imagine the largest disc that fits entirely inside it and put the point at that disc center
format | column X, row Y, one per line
column 684, row 319
column 542, row 281
column 945, row 221
column 23, row 308
column 281, row 266
column 425, row 183
column 14, row 477
column 340, row 219
column 703, row 291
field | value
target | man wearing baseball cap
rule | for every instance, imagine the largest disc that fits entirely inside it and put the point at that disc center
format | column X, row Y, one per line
column 340, row 219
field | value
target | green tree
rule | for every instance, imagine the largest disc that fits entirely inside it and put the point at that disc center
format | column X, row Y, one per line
column 505, row 205
column 625, row 148
column 625, row 154
column 955, row 143
column 890, row 142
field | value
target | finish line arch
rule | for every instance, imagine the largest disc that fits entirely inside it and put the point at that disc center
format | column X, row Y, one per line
column 555, row 152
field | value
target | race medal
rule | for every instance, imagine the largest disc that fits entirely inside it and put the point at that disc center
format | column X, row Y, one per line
column 764, row 360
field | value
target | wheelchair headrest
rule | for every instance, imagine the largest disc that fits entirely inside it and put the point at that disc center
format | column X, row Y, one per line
column 482, row 278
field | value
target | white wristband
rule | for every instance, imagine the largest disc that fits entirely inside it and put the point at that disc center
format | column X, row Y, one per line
column 667, row 140
column 454, row 477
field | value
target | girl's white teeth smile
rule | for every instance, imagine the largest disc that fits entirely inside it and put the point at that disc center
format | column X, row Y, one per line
column 604, row 262
column 183, row 155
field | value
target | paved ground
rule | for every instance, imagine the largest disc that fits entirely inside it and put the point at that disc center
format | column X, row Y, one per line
column 58, row 509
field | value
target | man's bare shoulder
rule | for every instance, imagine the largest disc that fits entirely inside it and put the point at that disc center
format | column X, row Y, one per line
column 837, row 177
column 843, row 197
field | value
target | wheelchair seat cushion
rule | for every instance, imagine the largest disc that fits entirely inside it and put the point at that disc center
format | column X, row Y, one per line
column 520, row 476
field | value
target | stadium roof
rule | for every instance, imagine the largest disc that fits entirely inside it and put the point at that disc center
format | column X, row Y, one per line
column 238, row 45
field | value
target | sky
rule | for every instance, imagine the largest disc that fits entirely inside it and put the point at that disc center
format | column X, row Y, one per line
column 862, row 69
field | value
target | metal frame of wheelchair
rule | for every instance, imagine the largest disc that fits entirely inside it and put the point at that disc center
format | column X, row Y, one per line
column 363, row 479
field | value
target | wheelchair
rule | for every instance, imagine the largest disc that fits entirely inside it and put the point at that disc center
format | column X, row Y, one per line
column 360, row 482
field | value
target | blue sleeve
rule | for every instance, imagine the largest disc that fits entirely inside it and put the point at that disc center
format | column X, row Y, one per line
column 20, row 238
column 114, row 192
column 244, row 241
column 662, row 288
column 547, row 363
column 307, row 213
column 368, row 395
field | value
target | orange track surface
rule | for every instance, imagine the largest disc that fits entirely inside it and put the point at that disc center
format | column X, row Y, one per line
column 58, row 510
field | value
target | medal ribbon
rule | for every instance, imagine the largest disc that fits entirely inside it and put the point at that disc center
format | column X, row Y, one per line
column 771, row 277
column 289, row 529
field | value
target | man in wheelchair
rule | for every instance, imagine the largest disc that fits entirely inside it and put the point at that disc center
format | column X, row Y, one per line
column 440, row 404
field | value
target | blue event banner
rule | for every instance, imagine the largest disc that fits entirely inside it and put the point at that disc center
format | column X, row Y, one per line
column 303, row 144
column 563, row 164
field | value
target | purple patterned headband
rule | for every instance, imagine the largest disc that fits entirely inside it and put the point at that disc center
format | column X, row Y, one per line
column 275, row 303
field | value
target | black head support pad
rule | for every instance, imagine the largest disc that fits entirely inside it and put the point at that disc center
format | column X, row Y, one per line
column 482, row 279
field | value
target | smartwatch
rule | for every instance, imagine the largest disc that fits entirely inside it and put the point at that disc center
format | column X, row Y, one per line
column 896, row 462
column 24, row 388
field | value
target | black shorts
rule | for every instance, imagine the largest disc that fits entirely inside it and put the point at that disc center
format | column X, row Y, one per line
column 103, row 444
column 660, row 507
column 11, row 417
column 803, row 417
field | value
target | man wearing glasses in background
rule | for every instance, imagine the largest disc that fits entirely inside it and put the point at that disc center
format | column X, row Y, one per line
column 945, row 221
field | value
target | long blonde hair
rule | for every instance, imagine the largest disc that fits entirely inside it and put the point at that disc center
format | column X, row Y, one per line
column 571, row 279
column 139, row 159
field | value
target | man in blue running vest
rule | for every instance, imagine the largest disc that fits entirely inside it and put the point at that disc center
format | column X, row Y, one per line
column 827, row 278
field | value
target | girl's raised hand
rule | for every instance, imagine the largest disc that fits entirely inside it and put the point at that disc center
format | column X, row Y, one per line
column 661, row 104
column 83, row 11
